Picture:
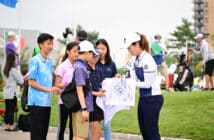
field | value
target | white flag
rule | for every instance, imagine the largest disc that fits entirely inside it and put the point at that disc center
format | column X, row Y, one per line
column 109, row 110
column 120, row 95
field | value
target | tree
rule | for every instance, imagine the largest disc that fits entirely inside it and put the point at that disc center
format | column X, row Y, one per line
column 92, row 35
column 184, row 33
column 212, row 40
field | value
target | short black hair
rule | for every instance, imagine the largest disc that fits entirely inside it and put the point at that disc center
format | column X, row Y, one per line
column 82, row 35
column 43, row 37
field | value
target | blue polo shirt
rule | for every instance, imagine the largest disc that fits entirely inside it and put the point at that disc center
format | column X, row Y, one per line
column 41, row 70
column 108, row 70
column 81, row 74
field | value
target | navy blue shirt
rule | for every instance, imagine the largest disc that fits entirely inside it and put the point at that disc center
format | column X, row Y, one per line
column 108, row 70
column 95, row 78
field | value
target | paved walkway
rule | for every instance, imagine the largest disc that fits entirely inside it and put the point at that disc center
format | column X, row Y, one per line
column 52, row 135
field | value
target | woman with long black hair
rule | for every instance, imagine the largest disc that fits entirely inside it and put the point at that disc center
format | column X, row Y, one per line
column 63, row 76
column 12, row 78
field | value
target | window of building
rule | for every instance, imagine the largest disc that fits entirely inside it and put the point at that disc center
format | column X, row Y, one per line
column 205, row 4
column 205, row 20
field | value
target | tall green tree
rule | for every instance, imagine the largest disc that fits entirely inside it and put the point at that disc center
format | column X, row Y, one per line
column 184, row 33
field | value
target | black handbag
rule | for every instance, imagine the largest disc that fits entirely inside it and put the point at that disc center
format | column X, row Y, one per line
column 70, row 98
column 24, row 98
column 24, row 122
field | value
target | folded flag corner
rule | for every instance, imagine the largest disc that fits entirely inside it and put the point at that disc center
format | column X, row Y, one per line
column 9, row 3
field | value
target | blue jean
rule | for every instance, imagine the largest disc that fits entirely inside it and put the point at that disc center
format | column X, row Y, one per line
column 107, row 130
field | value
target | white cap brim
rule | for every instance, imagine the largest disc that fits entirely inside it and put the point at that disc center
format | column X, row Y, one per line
column 130, row 38
column 86, row 46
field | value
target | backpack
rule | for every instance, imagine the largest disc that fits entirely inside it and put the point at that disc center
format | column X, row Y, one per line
column 24, row 98
column 24, row 122
column 156, row 48
column 157, row 53
column 158, row 59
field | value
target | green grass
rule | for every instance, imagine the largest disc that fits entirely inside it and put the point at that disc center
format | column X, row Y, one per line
column 188, row 115
column 183, row 115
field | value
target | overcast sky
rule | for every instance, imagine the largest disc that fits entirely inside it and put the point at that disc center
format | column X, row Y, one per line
column 112, row 18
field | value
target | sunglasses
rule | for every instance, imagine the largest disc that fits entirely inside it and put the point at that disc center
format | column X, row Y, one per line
column 95, row 56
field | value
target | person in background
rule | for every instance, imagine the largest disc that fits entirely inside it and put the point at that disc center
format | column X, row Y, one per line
column 208, row 60
column 81, row 76
column 159, row 51
column 68, row 36
column 81, row 36
column 108, row 70
column 40, row 81
column 10, row 46
column 12, row 78
column 63, row 76
column 145, row 72
column 96, row 116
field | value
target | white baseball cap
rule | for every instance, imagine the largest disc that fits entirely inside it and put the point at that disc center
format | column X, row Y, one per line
column 199, row 35
column 11, row 33
column 130, row 38
column 86, row 46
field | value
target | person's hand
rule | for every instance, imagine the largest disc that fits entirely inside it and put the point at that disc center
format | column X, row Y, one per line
column 85, row 115
column 101, row 92
column 190, row 49
column 25, row 79
column 55, row 90
column 118, row 76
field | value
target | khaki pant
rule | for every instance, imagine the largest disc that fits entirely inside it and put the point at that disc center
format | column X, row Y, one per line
column 163, row 69
column 80, row 127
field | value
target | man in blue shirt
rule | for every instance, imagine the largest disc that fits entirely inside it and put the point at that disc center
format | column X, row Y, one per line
column 40, row 88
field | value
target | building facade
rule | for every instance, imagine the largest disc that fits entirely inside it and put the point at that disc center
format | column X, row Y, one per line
column 204, row 16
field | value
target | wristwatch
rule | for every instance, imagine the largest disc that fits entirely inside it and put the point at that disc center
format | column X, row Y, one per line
column 84, row 109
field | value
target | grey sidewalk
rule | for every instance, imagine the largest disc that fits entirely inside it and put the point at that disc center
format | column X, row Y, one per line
column 52, row 135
